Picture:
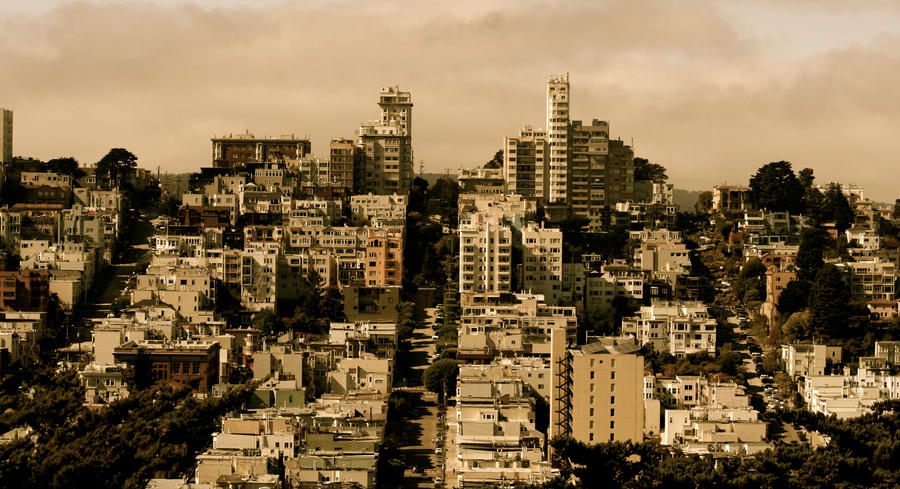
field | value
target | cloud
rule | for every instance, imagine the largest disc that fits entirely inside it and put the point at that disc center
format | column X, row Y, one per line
column 698, row 91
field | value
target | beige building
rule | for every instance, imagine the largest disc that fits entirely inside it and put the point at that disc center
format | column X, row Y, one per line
column 679, row 328
column 485, row 256
column 542, row 271
column 558, row 100
column 597, row 394
column 525, row 160
column 511, row 326
column 343, row 158
column 386, row 145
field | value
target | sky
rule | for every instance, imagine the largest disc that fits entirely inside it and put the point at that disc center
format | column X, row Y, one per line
column 712, row 90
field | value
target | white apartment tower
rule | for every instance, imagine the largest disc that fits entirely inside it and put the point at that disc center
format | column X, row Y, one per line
column 6, row 135
column 557, row 134
column 387, row 145
column 542, row 262
column 485, row 256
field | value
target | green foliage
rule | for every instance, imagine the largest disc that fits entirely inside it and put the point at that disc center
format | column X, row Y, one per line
column 704, row 202
column 496, row 161
column 64, row 165
column 440, row 377
column 115, row 165
column 798, row 327
column 794, row 297
column 774, row 187
column 750, row 285
column 809, row 256
column 644, row 170
column 864, row 453
column 152, row 433
column 837, row 208
column 828, row 302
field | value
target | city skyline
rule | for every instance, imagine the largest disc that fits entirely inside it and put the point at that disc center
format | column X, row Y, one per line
column 712, row 92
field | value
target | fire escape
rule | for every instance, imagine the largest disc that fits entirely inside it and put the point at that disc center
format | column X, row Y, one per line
column 564, row 387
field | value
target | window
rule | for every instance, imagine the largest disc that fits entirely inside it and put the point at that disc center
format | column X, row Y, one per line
column 612, row 425
column 612, row 412
column 612, row 375
column 592, row 374
column 612, row 399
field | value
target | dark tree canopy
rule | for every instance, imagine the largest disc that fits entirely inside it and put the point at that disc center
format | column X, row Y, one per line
column 64, row 165
column 118, row 163
column 644, row 170
column 774, row 187
column 829, row 302
column 837, row 208
column 809, row 256
column 496, row 161
column 440, row 377
column 794, row 297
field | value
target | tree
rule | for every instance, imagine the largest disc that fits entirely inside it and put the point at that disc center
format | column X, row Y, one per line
column 440, row 377
column 496, row 161
column 794, row 297
column 268, row 322
column 118, row 163
column 644, row 170
column 774, row 187
column 797, row 327
column 809, row 256
column 828, row 302
column 751, row 282
column 704, row 202
column 837, row 208
column 63, row 165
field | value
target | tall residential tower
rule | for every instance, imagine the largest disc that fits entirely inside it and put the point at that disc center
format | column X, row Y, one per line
column 387, row 145
column 557, row 135
column 6, row 135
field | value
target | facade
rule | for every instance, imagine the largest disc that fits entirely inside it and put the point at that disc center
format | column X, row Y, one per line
column 24, row 290
column 343, row 158
column 481, row 180
column 386, row 146
column 542, row 268
column 178, row 364
column 485, row 256
column 525, row 163
column 679, row 328
column 242, row 149
column 558, row 100
column 598, row 390
column 730, row 199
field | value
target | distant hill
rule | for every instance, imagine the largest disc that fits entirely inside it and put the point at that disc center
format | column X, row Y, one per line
column 685, row 200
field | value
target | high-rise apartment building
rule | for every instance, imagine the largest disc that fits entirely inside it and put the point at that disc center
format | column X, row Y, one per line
column 571, row 163
column 558, row 137
column 525, row 159
column 597, row 392
column 6, row 135
column 589, row 152
column 342, row 156
column 485, row 256
column 386, row 145
column 542, row 262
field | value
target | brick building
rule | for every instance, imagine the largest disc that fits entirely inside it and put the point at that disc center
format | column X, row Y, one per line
column 24, row 290
column 177, row 364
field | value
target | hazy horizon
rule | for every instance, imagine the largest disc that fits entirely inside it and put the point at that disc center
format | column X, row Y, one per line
column 712, row 92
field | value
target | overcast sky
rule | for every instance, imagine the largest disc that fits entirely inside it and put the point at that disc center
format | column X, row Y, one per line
column 711, row 90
